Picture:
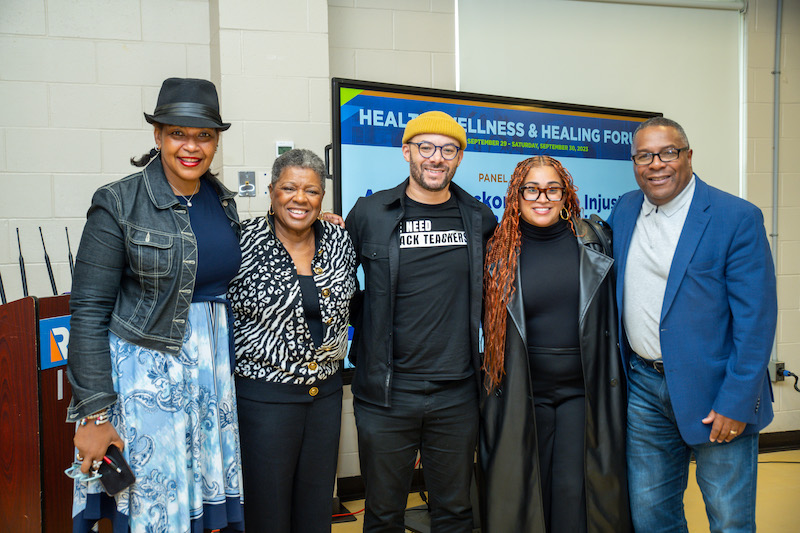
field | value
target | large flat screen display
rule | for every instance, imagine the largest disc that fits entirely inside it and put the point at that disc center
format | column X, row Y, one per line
column 593, row 143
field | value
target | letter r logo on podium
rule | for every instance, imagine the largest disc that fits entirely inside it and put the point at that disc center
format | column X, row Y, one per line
column 53, row 342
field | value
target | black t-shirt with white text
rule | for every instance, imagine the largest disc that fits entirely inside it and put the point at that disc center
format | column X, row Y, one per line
column 431, row 316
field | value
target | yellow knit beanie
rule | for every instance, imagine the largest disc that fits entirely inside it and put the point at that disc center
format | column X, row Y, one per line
column 436, row 122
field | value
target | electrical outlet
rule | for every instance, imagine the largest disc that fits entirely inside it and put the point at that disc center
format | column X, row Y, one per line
column 247, row 183
column 775, row 369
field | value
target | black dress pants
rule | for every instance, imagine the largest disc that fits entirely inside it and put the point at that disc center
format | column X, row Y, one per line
column 289, row 457
column 440, row 419
column 559, row 400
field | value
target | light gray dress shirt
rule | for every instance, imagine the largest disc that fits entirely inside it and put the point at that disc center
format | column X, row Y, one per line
column 655, row 238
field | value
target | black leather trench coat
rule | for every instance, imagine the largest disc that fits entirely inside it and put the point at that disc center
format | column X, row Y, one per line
column 509, row 483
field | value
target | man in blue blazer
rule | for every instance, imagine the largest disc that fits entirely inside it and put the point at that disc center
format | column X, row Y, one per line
column 698, row 308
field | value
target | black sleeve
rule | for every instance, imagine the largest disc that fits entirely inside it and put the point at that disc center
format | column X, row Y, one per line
column 603, row 236
column 488, row 225
column 352, row 225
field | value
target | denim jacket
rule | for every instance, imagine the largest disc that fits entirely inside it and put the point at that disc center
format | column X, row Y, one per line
column 134, row 276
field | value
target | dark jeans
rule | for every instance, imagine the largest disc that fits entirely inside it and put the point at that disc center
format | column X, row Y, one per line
column 440, row 419
column 289, row 455
column 658, row 465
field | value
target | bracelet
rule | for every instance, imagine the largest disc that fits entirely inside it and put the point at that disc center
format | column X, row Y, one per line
column 100, row 417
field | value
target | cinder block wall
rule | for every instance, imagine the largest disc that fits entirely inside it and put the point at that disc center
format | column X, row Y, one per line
column 270, row 59
column 74, row 80
column 408, row 43
column 760, row 97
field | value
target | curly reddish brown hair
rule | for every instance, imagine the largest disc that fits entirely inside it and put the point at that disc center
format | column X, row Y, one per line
column 501, row 263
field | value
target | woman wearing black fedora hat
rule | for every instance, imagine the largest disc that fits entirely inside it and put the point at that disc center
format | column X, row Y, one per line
column 150, row 350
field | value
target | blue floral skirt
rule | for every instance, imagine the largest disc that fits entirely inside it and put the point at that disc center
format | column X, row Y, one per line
column 177, row 418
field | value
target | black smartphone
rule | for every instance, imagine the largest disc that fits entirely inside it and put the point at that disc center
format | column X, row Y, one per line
column 117, row 475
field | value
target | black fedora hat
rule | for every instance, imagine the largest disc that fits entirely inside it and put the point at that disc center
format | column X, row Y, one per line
column 188, row 102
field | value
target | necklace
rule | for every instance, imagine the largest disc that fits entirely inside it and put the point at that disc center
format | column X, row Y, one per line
column 187, row 200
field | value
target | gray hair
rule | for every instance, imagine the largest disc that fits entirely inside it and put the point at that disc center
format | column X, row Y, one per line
column 663, row 121
column 299, row 157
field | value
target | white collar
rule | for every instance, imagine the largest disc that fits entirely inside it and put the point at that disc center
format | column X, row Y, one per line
column 674, row 205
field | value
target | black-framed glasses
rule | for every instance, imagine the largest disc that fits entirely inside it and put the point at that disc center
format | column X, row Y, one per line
column 666, row 156
column 531, row 193
column 427, row 149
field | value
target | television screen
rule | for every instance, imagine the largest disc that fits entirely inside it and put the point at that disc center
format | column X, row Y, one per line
column 593, row 143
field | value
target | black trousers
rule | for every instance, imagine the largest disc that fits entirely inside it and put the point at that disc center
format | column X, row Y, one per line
column 559, row 400
column 289, row 457
column 440, row 419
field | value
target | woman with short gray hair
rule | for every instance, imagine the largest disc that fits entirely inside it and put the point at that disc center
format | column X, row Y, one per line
column 291, row 302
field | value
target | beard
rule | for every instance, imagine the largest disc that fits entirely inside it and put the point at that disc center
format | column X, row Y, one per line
column 430, row 185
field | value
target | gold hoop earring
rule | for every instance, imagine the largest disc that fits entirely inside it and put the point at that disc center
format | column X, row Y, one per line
column 564, row 214
column 271, row 212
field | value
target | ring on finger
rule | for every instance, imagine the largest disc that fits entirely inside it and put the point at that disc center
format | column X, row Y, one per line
column 78, row 457
column 734, row 432
column 96, row 464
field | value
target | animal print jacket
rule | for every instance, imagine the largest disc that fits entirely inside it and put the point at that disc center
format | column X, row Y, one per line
column 273, row 340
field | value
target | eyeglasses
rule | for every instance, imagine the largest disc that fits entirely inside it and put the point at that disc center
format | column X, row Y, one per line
column 670, row 154
column 531, row 194
column 74, row 472
column 427, row 149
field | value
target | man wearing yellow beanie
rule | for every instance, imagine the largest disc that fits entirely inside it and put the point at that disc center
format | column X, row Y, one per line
column 421, row 245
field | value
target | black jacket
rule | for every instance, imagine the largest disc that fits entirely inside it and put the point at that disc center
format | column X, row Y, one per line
column 374, row 226
column 509, row 465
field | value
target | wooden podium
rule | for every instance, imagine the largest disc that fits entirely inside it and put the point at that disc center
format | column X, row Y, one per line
column 35, row 442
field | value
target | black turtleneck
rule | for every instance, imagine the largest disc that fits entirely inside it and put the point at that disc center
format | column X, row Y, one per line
column 549, row 266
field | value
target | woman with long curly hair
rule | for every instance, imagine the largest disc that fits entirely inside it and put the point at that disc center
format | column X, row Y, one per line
column 552, row 442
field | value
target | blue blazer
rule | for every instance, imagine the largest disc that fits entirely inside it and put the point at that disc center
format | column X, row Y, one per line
column 719, row 313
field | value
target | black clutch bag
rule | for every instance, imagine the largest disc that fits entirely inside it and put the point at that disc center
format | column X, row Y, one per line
column 117, row 475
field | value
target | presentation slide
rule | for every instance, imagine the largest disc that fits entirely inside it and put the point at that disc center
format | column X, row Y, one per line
column 593, row 144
